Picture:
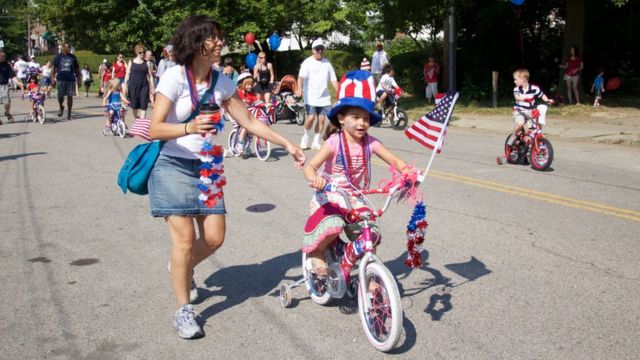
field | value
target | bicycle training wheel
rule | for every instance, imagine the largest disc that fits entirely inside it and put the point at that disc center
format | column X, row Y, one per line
column 262, row 148
column 402, row 119
column 317, row 288
column 382, row 320
column 40, row 114
column 542, row 155
column 122, row 129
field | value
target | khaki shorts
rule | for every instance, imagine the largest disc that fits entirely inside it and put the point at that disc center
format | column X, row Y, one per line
column 4, row 94
column 521, row 116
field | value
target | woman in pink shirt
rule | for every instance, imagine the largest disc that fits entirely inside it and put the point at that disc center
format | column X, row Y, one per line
column 572, row 67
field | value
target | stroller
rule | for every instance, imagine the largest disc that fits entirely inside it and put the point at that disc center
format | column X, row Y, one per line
column 288, row 105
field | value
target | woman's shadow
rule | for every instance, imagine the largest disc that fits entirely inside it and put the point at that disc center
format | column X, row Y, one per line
column 237, row 284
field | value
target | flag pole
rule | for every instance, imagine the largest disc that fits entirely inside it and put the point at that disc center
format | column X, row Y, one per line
column 440, row 139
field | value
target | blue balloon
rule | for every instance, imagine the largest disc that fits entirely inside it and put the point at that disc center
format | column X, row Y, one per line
column 274, row 42
column 250, row 60
column 518, row 2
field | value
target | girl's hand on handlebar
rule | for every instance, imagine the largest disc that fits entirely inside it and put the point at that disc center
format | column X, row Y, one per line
column 318, row 183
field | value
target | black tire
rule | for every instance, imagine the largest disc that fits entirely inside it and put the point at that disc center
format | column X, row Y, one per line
column 542, row 155
column 511, row 152
column 300, row 116
column 402, row 119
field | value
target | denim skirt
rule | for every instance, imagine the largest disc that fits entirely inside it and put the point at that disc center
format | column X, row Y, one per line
column 173, row 189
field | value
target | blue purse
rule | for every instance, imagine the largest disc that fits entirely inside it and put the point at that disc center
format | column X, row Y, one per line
column 135, row 172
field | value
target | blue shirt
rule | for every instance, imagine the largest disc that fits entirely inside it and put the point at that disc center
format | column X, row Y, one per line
column 66, row 66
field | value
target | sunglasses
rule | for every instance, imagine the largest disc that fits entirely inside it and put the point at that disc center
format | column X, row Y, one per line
column 318, row 48
column 260, row 57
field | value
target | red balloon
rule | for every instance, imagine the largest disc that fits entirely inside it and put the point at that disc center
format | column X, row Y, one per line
column 613, row 83
column 249, row 38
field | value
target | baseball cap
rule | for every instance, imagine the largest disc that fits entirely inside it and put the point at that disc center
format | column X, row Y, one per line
column 316, row 43
column 32, row 57
column 104, row 60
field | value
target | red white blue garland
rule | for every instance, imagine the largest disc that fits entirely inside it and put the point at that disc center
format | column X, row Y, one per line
column 416, row 230
column 212, row 177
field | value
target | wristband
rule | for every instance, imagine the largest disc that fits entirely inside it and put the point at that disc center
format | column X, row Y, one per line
column 185, row 128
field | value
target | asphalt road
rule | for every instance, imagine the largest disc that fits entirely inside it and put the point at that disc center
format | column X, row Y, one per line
column 521, row 264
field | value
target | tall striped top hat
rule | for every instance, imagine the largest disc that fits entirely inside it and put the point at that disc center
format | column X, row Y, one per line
column 358, row 89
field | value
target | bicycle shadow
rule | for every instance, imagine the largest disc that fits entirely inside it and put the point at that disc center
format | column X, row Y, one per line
column 10, row 135
column 239, row 283
column 18, row 156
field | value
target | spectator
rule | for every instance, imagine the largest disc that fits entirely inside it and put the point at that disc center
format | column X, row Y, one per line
column 138, row 84
column 431, row 71
column 315, row 73
column 119, row 69
column 378, row 61
column 66, row 71
column 101, row 71
column 229, row 70
column 20, row 67
column 572, row 67
column 166, row 62
column 263, row 74
column 6, row 74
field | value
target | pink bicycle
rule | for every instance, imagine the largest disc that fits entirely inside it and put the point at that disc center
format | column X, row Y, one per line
column 379, row 302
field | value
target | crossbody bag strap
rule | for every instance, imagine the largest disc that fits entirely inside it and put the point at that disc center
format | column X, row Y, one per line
column 206, row 96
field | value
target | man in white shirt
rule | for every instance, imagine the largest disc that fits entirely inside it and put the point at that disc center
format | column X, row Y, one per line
column 313, row 79
column 19, row 67
column 378, row 61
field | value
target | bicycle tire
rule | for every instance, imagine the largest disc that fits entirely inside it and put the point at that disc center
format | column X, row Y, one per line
column 511, row 152
column 122, row 128
column 300, row 116
column 232, row 140
column 262, row 148
column 40, row 114
column 542, row 155
column 382, row 324
column 402, row 119
column 317, row 291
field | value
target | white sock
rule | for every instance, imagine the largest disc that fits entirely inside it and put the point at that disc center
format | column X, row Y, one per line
column 306, row 132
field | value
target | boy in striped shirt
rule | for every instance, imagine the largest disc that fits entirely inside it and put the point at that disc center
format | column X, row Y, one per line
column 525, row 95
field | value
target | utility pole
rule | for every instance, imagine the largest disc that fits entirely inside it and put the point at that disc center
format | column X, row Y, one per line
column 452, row 46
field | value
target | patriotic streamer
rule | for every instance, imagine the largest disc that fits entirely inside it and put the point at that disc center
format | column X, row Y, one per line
column 212, row 177
column 416, row 230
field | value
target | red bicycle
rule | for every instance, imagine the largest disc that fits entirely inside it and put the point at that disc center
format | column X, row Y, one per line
column 530, row 147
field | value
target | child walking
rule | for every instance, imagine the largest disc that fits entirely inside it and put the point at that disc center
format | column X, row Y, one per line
column 346, row 153
column 598, row 86
column 113, row 100
column 86, row 79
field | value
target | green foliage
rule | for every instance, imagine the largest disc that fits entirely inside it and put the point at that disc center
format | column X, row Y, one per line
column 84, row 57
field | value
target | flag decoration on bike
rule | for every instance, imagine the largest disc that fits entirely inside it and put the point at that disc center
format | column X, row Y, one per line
column 416, row 231
column 430, row 129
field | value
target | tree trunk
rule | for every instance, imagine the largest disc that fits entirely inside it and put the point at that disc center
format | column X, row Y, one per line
column 573, row 36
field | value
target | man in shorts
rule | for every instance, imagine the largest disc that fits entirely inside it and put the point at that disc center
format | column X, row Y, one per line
column 66, row 71
column 315, row 73
column 6, row 75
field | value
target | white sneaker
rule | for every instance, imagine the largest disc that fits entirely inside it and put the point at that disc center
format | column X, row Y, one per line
column 317, row 143
column 185, row 323
column 304, row 142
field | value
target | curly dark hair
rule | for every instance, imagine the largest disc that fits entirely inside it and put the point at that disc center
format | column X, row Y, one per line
column 190, row 35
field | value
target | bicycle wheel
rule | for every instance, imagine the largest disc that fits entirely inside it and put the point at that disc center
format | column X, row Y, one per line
column 382, row 321
column 511, row 152
column 542, row 155
column 262, row 148
column 122, row 128
column 40, row 114
column 300, row 116
column 402, row 119
column 232, row 141
column 317, row 288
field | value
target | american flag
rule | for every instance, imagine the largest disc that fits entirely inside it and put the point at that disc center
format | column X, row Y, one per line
column 140, row 128
column 430, row 129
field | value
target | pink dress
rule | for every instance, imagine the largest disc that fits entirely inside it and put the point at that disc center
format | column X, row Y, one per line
column 327, row 209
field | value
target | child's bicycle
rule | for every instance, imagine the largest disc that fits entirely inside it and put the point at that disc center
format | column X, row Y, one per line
column 116, row 121
column 261, row 146
column 394, row 115
column 379, row 302
column 530, row 147
column 37, row 113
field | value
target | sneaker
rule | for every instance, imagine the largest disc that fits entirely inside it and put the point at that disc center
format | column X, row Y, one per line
column 193, row 291
column 185, row 323
column 317, row 143
column 238, row 149
column 304, row 142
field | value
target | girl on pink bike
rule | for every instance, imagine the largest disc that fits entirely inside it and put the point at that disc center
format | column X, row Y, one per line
column 345, row 153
